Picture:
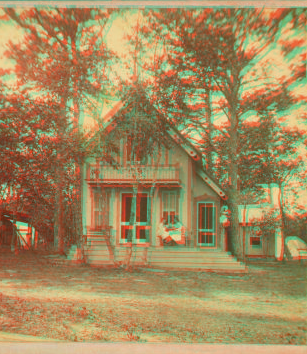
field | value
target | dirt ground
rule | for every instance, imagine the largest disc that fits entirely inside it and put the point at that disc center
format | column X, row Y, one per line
column 43, row 298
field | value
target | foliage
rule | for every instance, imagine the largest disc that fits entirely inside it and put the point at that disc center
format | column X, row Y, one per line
column 216, row 72
column 62, row 59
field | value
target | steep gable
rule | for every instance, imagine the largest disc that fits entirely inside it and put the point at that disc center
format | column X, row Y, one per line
column 110, row 122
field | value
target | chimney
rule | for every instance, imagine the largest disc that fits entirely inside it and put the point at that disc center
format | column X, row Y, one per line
column 274, row 195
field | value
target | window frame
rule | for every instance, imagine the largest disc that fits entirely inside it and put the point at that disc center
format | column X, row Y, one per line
column 253, row 236
column 102, row 210
column 131, row 160
column 176, row 209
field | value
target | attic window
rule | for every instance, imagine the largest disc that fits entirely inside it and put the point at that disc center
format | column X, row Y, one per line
column 131, row 157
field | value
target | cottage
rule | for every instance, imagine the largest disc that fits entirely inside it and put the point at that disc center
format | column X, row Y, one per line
column 260, row 228
column 176, row 214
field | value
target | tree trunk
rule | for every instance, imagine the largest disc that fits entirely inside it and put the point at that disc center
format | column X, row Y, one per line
column 132, row 222
column 283, row 218
column 233, row 175
column 59, row 211
column 210, row 130
column 78, row 172
column 59, row 232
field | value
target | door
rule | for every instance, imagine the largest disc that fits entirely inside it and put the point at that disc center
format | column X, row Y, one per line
column 138, row 232
column 206, row 224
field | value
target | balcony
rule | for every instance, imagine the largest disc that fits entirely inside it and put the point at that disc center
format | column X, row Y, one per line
column 165, row 174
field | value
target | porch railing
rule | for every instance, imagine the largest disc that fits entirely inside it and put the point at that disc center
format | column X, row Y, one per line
column 131, row 174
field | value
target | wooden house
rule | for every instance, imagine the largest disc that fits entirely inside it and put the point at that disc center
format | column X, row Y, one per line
column 176, row 214
column 260, row 226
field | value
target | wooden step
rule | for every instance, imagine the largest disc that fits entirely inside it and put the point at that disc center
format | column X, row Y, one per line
column 192, row 261
column 214, row 268
column 97, row 262
column 165, row 256
column 183, row 250
column 186, row 249
column 98, row 254
column 195, row 252
column 189, row 255
column 197, row 265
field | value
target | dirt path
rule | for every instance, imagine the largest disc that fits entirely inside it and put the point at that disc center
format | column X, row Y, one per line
column 80, row 303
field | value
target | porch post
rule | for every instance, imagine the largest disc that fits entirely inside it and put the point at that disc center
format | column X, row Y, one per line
column 224, row 226
column 224, row 235
column 154, row 215
column 117, row 216
column 112, row 216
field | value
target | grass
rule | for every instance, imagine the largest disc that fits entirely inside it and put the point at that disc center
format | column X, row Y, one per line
column 79, row 303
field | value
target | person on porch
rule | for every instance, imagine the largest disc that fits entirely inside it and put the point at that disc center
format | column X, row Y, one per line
column 171, row 235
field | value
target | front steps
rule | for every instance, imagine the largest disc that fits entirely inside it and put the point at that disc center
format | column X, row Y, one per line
column 193, row 258
column 98, row 253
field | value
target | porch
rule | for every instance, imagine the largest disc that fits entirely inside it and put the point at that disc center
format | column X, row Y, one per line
column 99, row 253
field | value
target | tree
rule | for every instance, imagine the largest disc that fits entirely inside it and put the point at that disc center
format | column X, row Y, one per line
column 29, row 155
column 273, row 157
column 226, row 47
column 63, row 56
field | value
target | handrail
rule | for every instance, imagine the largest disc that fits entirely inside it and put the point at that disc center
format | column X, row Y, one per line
column 132, row 173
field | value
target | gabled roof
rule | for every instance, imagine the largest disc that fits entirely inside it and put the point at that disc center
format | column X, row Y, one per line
column 109, row 123
column 254, row 213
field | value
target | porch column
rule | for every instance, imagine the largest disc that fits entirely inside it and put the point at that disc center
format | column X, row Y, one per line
column 224, row 235
column 117, row 216
column 85, row 200
column 155, row 212
column 112, row 211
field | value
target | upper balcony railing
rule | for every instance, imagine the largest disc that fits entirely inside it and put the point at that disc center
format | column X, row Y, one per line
column 133, row 174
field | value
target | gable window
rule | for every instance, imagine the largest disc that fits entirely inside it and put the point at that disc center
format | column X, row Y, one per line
column 100, row 211
column 170, row 207
column 132, row 157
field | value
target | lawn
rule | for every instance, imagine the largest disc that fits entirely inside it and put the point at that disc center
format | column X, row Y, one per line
column 40, row 297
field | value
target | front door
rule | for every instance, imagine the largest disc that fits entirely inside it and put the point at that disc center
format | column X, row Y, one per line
column 135, row 218
column 206, row 224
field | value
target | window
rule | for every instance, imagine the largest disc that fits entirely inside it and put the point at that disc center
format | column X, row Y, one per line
column 170, row 207
column 206, row 224
column 100, row 208
column 255, row 238
column 255, row 241
column 132, row 157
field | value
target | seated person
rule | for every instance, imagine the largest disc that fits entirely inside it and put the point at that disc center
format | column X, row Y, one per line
column 162, row 229
column 171, row 234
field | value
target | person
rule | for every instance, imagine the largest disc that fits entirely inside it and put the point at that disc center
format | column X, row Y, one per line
column 175, row 231
column 166, row 238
